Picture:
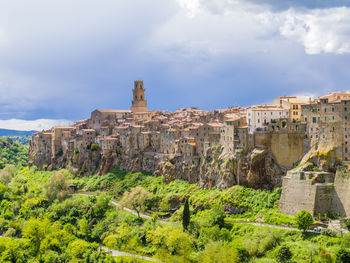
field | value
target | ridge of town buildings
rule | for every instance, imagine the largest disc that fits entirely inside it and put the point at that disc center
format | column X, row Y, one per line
column 190, row 132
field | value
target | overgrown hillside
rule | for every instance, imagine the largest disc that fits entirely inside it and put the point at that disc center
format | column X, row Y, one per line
column 42, row 220
column 12, row 152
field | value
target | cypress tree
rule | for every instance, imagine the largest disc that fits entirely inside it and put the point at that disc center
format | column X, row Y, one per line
column 186, row 215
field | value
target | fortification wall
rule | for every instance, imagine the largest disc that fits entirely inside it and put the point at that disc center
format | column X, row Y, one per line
column 311, row 191
column 298, row 193
column 341, row 197
column 287, row 148
column 323, row 198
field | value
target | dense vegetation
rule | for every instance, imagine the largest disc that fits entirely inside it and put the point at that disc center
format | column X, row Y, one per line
column 12, row 152
column 42, row 221
column 24, row 139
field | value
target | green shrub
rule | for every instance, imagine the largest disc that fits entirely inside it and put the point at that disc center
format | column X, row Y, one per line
column 284, row 254
column 328, row 232
column 94, row 147
column 343, row 256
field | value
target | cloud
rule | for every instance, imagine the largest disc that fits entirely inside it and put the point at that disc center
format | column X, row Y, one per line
column 319, row 31
column 34, row 125
column 63, row 59
column 278, row 5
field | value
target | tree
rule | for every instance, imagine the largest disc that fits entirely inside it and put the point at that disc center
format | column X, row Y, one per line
column 284, row 254
column 303, row 220
column 186, row 215
column 35, row 230
column 7, row 174
column 136, row 199
column 217, row 216
column 343, row 256
column 57, row 187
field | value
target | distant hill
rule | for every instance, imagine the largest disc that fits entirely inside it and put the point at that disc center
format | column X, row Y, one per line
column 5, row 132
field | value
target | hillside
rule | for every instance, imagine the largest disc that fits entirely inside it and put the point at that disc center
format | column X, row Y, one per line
column 6, row 132
column 12, row 152
column 48, row 223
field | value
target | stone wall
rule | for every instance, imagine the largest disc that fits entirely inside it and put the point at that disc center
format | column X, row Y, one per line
column 341, row 197
column 316, row 193
column 298, row 193
column 287, row 148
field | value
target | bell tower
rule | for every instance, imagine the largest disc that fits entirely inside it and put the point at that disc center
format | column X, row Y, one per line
column 139, row 104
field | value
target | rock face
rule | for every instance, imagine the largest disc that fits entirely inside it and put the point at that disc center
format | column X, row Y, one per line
column 256, row 168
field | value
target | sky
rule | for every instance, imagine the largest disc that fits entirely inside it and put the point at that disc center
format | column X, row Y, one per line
column 61, row 59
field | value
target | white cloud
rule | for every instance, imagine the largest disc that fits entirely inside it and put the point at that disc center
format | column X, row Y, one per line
column 36, row 125
column 319, row 31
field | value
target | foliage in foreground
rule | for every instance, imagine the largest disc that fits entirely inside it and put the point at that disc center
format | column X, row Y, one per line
column 42, row 222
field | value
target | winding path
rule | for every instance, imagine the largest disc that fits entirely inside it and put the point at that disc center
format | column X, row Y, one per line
column 115, row 203
column 117, row 253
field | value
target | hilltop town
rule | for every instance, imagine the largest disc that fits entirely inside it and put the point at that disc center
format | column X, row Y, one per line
column 298, row 143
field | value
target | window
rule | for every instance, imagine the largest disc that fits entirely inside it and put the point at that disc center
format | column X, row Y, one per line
column 324, row 101
column 323, row 130
column 314, row 119
column 325, row 110
column 333, row 118
column 333, row 109
column 305, row 119
column 325, row 118
column 319, row 118
column 311, row 129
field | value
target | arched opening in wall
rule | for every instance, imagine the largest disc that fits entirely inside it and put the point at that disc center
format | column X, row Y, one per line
column 284, row 123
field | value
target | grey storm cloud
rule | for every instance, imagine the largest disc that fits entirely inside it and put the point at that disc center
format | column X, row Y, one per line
column 62, row 58
column 278, row 5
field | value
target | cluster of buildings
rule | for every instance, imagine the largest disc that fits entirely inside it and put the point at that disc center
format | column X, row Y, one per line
column 190, row 132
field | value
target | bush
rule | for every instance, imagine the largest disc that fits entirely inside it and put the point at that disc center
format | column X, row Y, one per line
column 94, row 147
column 328, row 232
column 284, row 254
column 218, row 252
column 343, row 256
column 346, row 223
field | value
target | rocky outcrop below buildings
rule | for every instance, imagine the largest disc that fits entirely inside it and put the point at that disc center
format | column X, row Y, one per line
column 191, row 145
column 256, row 168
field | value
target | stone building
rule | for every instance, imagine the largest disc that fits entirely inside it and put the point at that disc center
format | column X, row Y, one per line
column 260, row 116
column 229, row 135
column 327, row 120
column 293, row 103
column 207, row 135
